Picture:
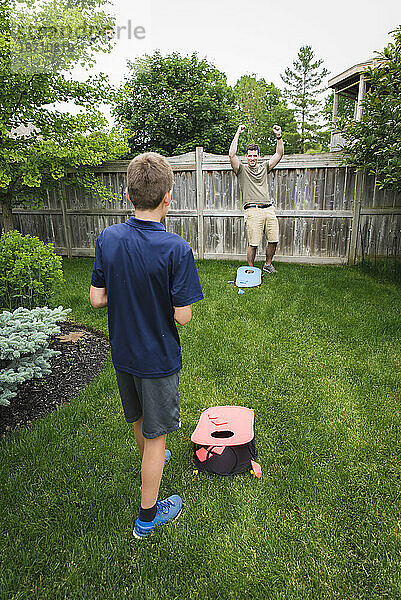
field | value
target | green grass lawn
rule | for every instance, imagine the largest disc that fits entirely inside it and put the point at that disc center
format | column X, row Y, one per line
column 316, row 353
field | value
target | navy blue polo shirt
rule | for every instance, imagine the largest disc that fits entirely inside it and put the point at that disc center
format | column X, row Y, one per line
column 146, row 272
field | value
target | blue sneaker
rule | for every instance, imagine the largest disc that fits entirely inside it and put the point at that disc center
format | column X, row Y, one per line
column 167, row 510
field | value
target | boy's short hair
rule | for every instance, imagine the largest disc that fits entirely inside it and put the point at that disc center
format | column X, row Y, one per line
column 149, row 178
column 252, row 147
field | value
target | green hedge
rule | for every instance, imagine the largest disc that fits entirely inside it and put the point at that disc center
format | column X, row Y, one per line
column 30, row 271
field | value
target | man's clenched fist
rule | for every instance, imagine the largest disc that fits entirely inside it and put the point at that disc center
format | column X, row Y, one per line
column 277, row 130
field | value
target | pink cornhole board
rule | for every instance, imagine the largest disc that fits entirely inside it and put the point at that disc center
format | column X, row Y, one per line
column 224, row 426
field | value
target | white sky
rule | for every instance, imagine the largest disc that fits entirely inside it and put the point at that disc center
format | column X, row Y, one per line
column 261, row 36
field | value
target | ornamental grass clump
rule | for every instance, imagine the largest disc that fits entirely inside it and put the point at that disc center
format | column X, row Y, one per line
column 30, row 272
column 24, row 346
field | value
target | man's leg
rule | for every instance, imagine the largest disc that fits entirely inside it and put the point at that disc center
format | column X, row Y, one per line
column 270, row 251
column 152, row 470
column 254, row 222
column 272, row 233
column 251, row 254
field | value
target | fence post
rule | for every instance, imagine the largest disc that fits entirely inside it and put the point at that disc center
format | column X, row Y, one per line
column 66, row 220
column 200, row 200
column 356, row 214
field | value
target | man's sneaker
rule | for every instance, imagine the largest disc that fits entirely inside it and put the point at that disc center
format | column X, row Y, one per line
column 269, row 268
column 167, row 510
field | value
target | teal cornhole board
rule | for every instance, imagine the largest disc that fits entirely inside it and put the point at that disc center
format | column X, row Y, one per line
column 248, row 277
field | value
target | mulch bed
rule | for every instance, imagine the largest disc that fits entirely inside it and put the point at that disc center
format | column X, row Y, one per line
column 83, row 352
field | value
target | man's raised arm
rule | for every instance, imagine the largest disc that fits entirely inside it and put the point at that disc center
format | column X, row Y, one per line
column 232, row 153
column 275, row 159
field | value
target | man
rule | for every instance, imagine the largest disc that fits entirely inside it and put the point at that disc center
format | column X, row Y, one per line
column 258, row 204
column 148, row 280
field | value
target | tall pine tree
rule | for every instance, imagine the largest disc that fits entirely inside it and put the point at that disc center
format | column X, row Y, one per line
column 304, row 88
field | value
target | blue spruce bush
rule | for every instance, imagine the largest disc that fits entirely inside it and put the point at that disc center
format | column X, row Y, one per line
column 24, row 346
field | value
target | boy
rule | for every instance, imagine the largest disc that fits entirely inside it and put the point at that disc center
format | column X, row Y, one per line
column 148, row 280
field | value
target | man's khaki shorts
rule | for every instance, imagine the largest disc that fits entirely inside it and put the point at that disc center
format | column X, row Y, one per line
column 259, row 220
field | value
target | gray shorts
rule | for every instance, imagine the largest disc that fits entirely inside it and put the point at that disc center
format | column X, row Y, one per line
column 157, row 400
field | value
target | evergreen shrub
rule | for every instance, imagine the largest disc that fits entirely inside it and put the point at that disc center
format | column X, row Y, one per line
column 24, row 346
column 30, row 271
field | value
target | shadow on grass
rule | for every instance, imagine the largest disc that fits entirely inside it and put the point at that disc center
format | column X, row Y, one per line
column 382, row 270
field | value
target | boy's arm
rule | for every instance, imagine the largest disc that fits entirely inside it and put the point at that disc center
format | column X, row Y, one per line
column 185, row 286
column 182, row 314
column 98, row 293
column 232, row 153
column 98, row 297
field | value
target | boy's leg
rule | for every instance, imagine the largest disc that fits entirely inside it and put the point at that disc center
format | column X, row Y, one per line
column 140, row 440
column 154, row 455
column 152, row 470
column 161, row 415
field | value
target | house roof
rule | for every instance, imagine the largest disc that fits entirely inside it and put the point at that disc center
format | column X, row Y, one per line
column 347, row 83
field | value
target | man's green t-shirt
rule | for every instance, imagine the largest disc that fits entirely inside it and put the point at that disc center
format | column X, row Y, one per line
column 253, row 184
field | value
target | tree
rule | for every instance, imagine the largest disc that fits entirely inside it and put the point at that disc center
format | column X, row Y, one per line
column 38, row 143
column 374, row 143
column 173, row 103
column 260, row 105
column 303, row 90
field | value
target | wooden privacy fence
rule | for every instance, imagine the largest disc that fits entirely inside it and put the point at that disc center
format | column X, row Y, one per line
column 321, row 206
